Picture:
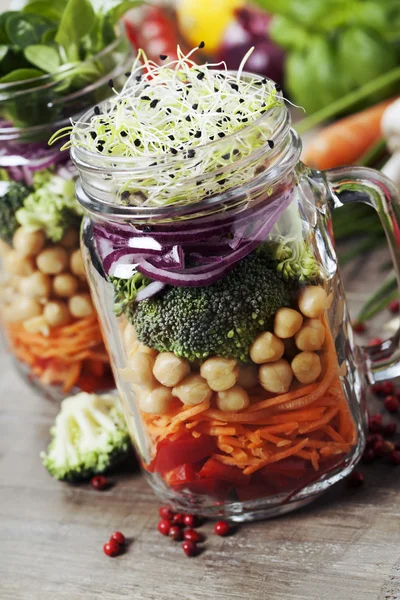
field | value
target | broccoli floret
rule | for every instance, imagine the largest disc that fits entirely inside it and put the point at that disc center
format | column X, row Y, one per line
column 52, row 206
column 221, row 319
column 89, row 436
column 295, row 261
column 126, row 290
column 12, row 198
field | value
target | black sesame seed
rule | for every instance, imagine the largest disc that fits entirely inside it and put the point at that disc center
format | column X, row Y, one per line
column 201, row 45
column 188, row 118
column 244, row 120
column 216, row 89
column 221, row 134
column 127, row 74
column 197, row 134
column 101, row 141
column 174, row 151
column 163, row 56
column 154, row 103
column 219, row 110
column 278, row 87
column 241, row 100
column 124, row 133
column 93, row 135
column 100, row 147
column 226, row 156
column 153, row 164
column 171, row 137
column 201, row 76
column 110, row 83
column 234, row 86
column 195, row 106
column 221, row 181
column 271, row 143
column 125, row 195
column 96, row 110
column 145, row 98
column 147, row 229
column 138, row 78
column 102, row 121
column 235, row 152
column 212, row 138
column 265, row 80
column 137, row 142
column 172, row 175
column 168, row 111
column 191, row 153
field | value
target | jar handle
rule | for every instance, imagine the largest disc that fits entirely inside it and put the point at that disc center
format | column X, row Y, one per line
column 360, row 184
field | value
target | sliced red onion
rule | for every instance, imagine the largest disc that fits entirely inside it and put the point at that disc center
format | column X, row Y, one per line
column 184, row 278
column 150, row 290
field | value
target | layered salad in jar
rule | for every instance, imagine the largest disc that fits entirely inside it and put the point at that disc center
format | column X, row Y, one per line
column 55, row 62
column 229, row 374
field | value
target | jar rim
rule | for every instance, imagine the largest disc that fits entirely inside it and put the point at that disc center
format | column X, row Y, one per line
column 94, row 169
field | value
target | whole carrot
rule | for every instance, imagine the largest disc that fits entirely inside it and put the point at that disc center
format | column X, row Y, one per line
column 346, row 140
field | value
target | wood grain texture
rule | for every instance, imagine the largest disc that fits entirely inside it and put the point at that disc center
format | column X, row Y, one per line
column 345, row 546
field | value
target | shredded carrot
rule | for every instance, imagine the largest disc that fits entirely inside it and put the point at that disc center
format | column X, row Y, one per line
column 276, row 457
column 282, row 398
column 64, row 356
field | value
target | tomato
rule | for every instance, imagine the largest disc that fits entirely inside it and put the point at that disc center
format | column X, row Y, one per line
column 291, row 468
column 215, row 469
column 186, row 449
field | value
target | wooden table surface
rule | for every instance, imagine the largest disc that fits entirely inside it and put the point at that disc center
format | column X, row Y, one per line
column 345, row 546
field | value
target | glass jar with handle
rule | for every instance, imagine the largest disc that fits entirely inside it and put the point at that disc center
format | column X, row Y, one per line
column 215, row 276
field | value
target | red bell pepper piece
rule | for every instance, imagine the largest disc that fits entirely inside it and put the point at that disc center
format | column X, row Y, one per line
column 215, row 469
column 186, row 449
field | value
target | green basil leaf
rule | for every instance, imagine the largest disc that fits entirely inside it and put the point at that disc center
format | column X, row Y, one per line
column 51, row 9
column 26, row 29
column 3, row 51
column 77, row 21
column 288, row 34
column 114, row 14
column 21, row 75
column 45, row 58
column 48, row 36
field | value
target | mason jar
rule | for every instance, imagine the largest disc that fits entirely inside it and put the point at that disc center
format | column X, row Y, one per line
column 46, row 312
column 226, row 321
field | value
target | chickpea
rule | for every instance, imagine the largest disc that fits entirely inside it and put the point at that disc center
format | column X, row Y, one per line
column 306, row 367
column 220, row 373
column 312, row 301
column 37, row 325
column 65, row 285
column 27, row 242
column 234, row 399
column 192, row 390
column 267, row 347
column 287, row 322
column 25, row 308
column 129, row 336
column 52, row 260
column 56, row 314
column 170, row 369
column 37, row 285
column 70, row 239
column 157, row 401
column 248, row 376
column 142, row 370
column 77, row 264
column 14, row 264
column 276, row 377
column 311, row 336
column 80, row 306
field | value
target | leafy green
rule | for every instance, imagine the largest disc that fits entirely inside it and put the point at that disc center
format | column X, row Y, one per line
column 335, row 46
column 56, row 37
column 43, row 57
column 13, row 195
